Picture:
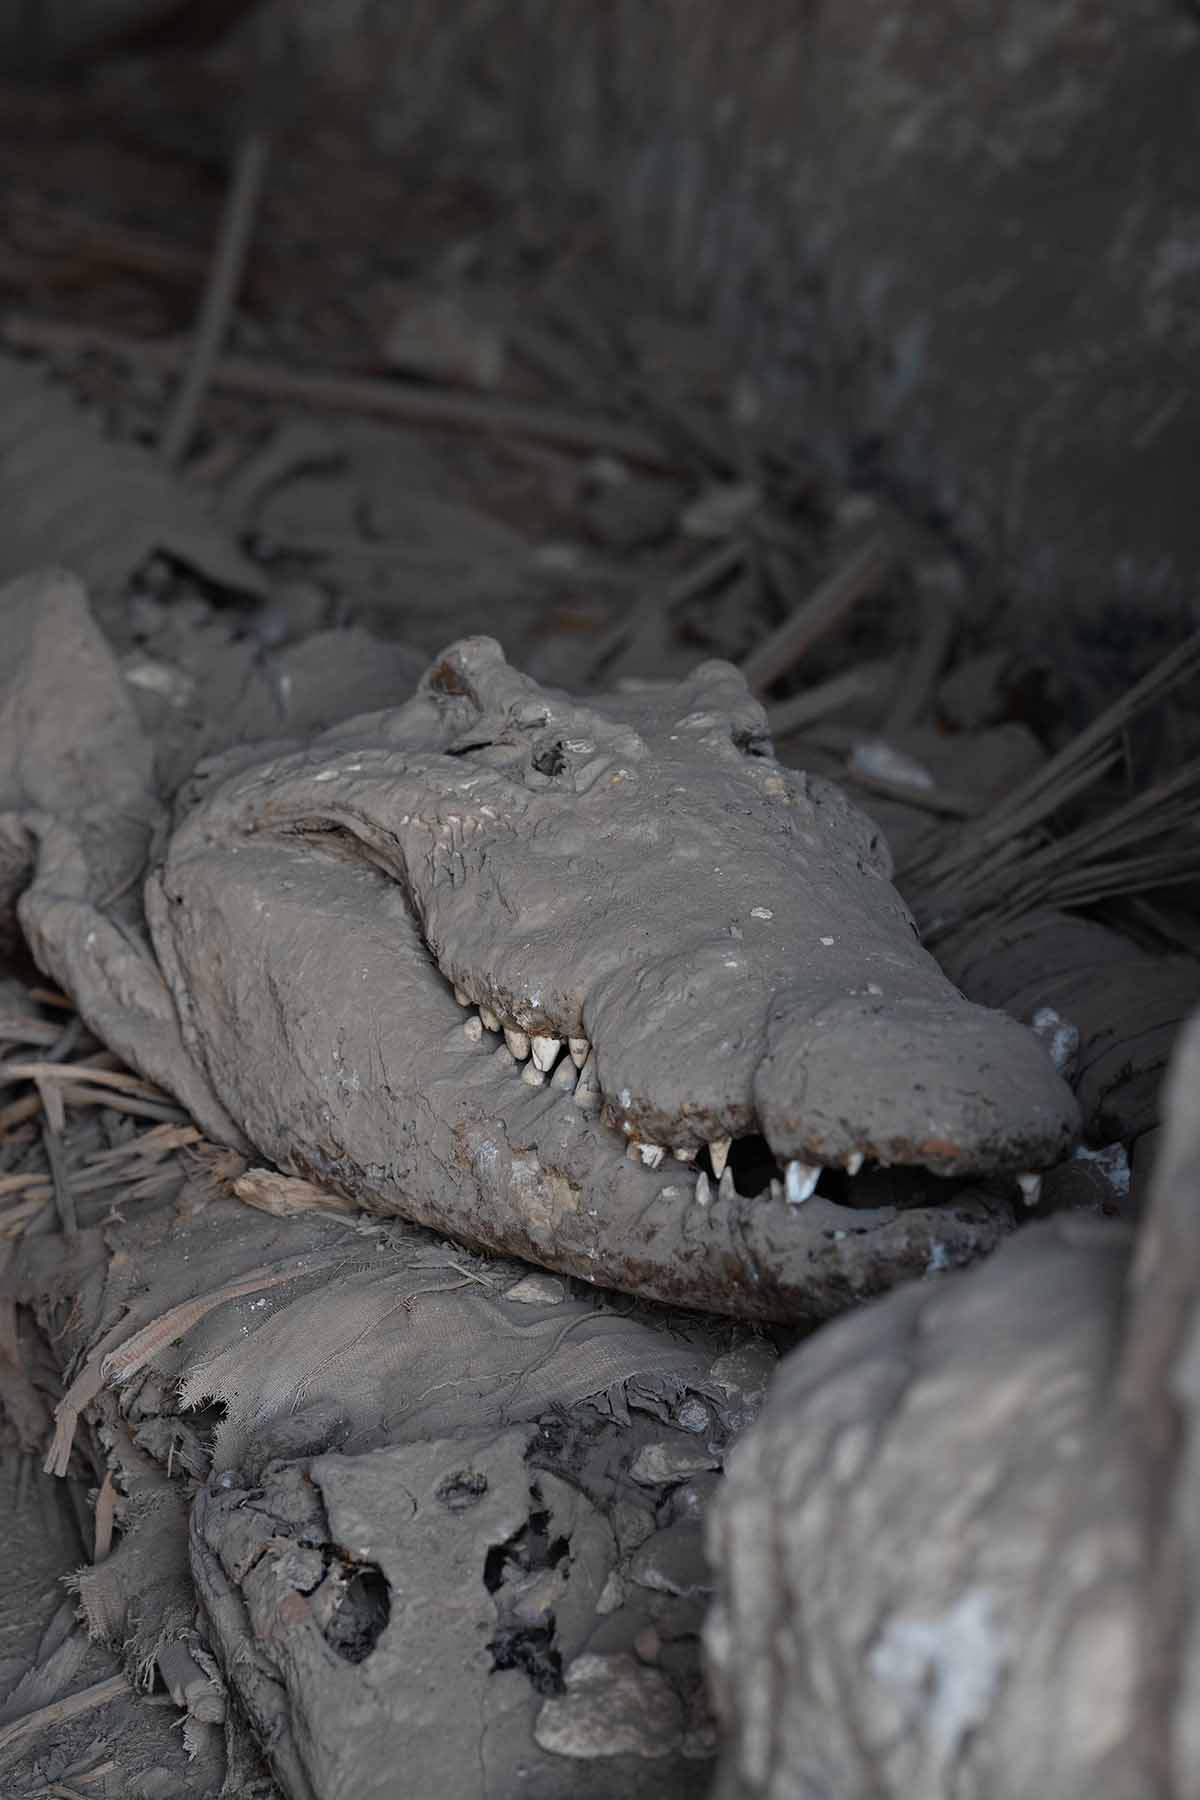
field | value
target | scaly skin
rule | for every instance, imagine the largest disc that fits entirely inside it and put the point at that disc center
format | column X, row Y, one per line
column 715, row 932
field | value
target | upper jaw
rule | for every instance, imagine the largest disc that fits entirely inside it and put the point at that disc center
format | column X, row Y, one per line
column 719, row 930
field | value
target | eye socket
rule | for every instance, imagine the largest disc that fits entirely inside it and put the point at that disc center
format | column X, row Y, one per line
column 549, row 760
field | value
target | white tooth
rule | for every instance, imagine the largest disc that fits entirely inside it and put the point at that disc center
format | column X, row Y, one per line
column 580, row 1050
column 517, row 1041
column 532, row 1076
column 777, row 1190
column 1031, row 1188
column 565, row 1076
column 587, row 1091
column 489, row 1018
column 800, row 1183
column 718, row 1155
column 545, row 1052
column 684, row 1153
column 725, row 1187
column 703, row 1190
column 854, row 1162
column 503, row 1057
column 652, row 1155
column 463, row 999
column 473, row 1029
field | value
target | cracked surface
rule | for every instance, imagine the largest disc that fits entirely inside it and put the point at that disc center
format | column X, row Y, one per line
column 508, row 963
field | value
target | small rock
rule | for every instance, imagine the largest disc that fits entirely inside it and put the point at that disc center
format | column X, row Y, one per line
column 632, row 1525
column 612, row 1594
column 1060, row 1037
column 537, row 1290
column 743, row 1374
column 656, row 1464
column 673, row 1562
column 1094, row 1181
column 691, row 1501
column 613, row 1706
column 694, row 1416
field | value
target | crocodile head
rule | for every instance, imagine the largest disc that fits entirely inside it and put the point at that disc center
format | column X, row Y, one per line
column 641, row 912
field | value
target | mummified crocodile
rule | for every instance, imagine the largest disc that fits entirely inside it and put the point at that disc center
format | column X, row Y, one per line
column 601, row 984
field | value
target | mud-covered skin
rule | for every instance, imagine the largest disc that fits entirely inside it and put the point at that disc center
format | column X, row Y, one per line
column 639, row 874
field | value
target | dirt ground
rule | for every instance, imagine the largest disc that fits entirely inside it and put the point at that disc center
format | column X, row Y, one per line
column 424, row 414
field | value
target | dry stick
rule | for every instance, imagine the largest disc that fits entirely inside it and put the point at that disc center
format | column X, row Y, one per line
column 817, row 615
column 125, row 1103
column 59, row 1711
column 80, row 1074
column 220, row 293
column 973, row 861
column 29, row 1031
column 920, row 678
column 826, row 697
column 64, row 1199
column 106, row 1515
column 352, row 394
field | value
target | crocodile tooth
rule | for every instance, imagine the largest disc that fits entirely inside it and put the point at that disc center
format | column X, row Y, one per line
column 1031, row 1188
column 517, row 1041
column 703, row 1189
column 489, row 1018
column 473, row 1029
column 503, row 1057
column 854, row 1162
column 776, row 1190
column 684, row 1153
column 565, row 1076
column 800, row 1182
column 587, row 1091
column 725, row 1187
column 580, row 1050
column 545, row 1052
column 718, row 1155
column 463, row 999
column 532, row 1076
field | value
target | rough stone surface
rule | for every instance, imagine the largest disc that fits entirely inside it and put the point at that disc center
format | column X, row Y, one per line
column 613, row 1706
column 958, row 1553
